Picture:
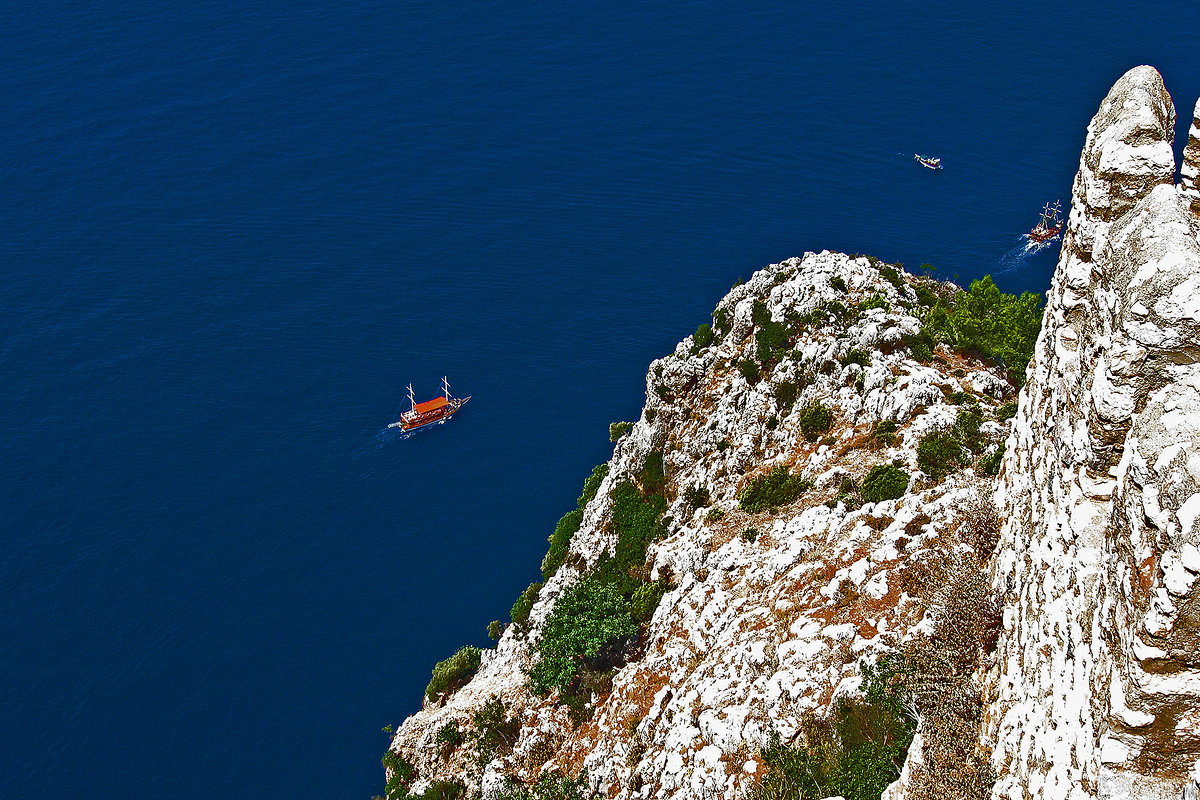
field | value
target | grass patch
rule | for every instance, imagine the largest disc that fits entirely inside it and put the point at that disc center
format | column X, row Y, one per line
column 884, row 482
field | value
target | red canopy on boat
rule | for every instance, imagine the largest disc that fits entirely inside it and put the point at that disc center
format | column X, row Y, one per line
column 431, row 405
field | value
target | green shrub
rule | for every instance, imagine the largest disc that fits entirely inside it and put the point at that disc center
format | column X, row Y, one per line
column 1006, row 411
column 452, row 673
column 560, row 542
column 990, row 464
column 403, row 774
column 926, row 296
column 551, row 785
column 635, row 520
column 702, row 338
column 521, row 608
column 876, row 300
column 856, row 752
column 697, row 496
column 592, row 484
column 837, row 283
column 884, row 482
column 586, row 617
column 815, row 419
column 618, row 429
column 721, row 321
column 495, row 630
column 967, row 424
column 939, row 453
column 645, row 599
column 770, row 337
column 962, row 398
column 892, row 276
column 988, row 322
column 785, row 394
column 920, row 345
column 776, row 488
column 884, row 432
column 494, row 732
column 749, row 369
column 652, row 476
column 856, row 356
column 442, row 790
column 750, row 535
column 714, row 514
column 449, row 735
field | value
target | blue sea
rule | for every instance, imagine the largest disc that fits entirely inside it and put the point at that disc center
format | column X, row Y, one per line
column 233, row 232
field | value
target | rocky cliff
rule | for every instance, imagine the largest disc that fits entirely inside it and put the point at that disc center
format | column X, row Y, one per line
column 1055, row 655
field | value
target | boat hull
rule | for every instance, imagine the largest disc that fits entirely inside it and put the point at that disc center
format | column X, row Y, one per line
column 408, row 422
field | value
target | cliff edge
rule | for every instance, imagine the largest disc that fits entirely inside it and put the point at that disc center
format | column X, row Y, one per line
column 800, row 564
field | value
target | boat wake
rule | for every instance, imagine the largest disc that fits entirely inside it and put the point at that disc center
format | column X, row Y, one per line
column 1019, row 254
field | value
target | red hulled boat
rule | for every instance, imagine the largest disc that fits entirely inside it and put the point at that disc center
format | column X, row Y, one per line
column 431, row 412
column 1049, row 226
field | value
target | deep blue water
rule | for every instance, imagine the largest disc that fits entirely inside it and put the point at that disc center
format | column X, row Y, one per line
column 233, row 232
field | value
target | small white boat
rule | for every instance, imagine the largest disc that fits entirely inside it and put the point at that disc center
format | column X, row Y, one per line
column 928, row 161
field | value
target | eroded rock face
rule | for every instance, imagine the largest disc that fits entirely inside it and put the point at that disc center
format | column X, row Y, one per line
column 759, row 629
column 1097, row 682
column 1094, row 688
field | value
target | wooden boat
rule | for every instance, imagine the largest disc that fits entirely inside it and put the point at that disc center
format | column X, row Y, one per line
column 1049, row 226
column 431, row 412
column 928, row 161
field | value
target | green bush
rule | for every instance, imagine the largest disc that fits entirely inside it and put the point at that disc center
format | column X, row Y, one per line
column 837, row 283
column 785, row 394
column 618, row 429
column 884, row 482
column 990, row 464
column 521, row 608
column 884, row 432
column 776, row 488
column 770, row 337
column 697, row 496
column 560, row 542
column 494, row 732
column 592, row 484
column 646, row 598
column 988, row 322
column 856, row 356
column 926, row 296
column 495, row 630
column 855, row 753
column 815, row 419
column 449, row 735
column 939, row 453
column 586, row 617
column 452, row 673
column 714, row 514
column 750, row 535
column 876, row 300
column 652, row 476
column 1006, row 411
column 920, row 345
column 403, row 774
column 635, row 521
column 552, row 785
column 967, row 424
column 702, row 338
column 721, row 320
column 892, row 276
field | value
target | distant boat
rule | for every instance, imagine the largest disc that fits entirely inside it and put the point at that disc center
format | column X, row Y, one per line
column 1049, row 226
column 431, row 412
column 928, row 161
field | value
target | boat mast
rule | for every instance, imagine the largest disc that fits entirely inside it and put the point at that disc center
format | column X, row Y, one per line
column 446, row 388
column 412, row 399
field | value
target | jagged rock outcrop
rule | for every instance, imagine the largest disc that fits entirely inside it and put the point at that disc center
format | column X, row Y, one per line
column 1096, row 689
column 768, row 614
column 1093, row 686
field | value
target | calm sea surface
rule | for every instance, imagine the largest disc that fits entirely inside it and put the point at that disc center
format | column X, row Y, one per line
column 232, row 233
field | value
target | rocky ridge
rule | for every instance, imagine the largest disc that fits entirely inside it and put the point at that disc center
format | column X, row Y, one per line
column 1091, row 688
